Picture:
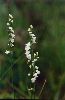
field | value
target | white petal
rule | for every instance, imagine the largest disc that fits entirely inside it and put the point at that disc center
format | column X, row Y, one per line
column 28, row 74
column 31, row 26
column 33, row 80
column 10, row 16
column 36, row 67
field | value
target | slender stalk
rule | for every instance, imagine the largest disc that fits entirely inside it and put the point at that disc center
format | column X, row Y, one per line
column 13, row 85
column 42, row 88
column 34, row 91
column 12, row 75
column 31, row 94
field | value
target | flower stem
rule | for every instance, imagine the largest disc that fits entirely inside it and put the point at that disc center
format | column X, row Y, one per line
column 34, row 91
column 12, row 75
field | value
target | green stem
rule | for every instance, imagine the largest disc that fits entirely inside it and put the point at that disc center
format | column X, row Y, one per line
column 34, row 91
column 31, row 95
column 12, row 74
column 13, row 85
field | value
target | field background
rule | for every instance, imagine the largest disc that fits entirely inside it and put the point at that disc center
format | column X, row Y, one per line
column 48, row 19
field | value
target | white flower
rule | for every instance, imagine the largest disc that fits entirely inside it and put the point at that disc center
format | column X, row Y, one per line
column 38, row 72
column 10, row 16
column 8, row 24
column 29, row 29
column 31, row 26
column 30, row 32
column 29, row 57
column 37, row 57
column 33, row 80
column 35, row 60
column 30, row 66
column 12, row 35
column 35, row 75
column 10, row 28
column 7, row 52
column 36, row 67
column 30, row 89
column 34, row 55
column 27, row 53
column 11, row 44
column 27, row 49
column 11, row 21
column 28, row 44
column 34, row 40
column 32, row 35
column 28, row 61
column 12, row 31
column 28, row 74
column 37, row 53
column 11, row 40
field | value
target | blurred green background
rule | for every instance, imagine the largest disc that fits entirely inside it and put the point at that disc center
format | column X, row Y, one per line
column 48, row 19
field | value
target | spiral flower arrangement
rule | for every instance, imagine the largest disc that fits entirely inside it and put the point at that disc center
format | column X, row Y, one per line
column 11, row 33
column 32, row 58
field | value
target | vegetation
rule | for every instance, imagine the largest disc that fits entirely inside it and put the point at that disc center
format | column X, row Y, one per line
column 48, row 20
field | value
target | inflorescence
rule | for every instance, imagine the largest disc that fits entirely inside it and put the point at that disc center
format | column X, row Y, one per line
column 11, row 33
column 31, row 56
